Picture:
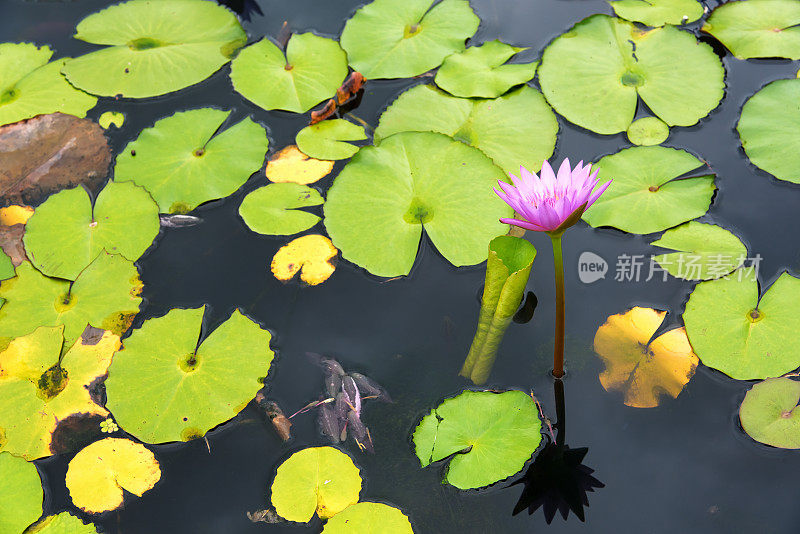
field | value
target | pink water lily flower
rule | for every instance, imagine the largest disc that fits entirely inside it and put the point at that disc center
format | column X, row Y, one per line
column 551, row 202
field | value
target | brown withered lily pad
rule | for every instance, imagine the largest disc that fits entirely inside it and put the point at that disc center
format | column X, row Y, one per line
column 45, row 154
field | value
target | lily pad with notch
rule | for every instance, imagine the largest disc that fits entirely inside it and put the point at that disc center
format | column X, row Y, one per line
column 380, row 202
column 518, row 128
column 742, row 334
column 704, row 251
column 30, row 86
column 154, row 48
column 757, row 28
column 166, row 386
column 271, row 210
column 67, row 232
column 326, row 139
column 310, row 71
column 310, row 255
column 595, row 73
column 390, row 39
column 187, row 159
column 658, row 12
column 650, row 191
column 488, row 436
column 769, row 413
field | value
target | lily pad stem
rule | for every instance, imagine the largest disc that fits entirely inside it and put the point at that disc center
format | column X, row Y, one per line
column 558, row 350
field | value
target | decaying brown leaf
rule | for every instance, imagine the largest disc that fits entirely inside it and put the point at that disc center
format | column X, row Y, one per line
column 348, row 91
column 276, row 416
column 45, row 154
column 11, row 243
column 642, row 369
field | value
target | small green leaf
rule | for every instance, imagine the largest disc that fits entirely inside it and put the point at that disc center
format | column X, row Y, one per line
column 185, row 160
column 20, row 494
column 490, row 435
column 658, row 12
column 744, row 336
column 320, row 480
column 379, row 203
column 648, row 131
column 66, row 233
column 516, row 129
column 162, row 387
column 154, row 48
column 63, row 523
column 480, row 71
column 757, row 28
column 368, row 518
column 111, row 117
column 705, row 251
column 6, row 266
column 390, row 39
column 324, row 140
column 31, row 86
column 769, row 415
column 645, row 195
column 507, row 271
column 311, row 71
column 768, row 129
column 271, row 209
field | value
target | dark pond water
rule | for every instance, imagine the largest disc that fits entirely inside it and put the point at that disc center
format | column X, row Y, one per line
column 685, row 466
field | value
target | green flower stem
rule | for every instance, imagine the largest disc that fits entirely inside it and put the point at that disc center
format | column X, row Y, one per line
column 558, row 351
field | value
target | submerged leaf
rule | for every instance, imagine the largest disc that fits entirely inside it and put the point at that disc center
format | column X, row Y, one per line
column 325, row 140
column 680, row 79
column 154, row 47
column 705, row 251
column 66, row 233
column 743, row 335
column 271, row 210
column 309, row 255
column 757, row 28
column 646, row 195
column 31, row 86
column 640, row 367
column 186, row 160
column 291, row 165
column 164, row 387
column 320, row 480
column 480, row 71
column 369, row 518
column 658, row 12
column 769, row 413
column 489, row 435
column 382, row 199
column 98, row 474
column 311, row 71
column 20, row 493
column 49, row 153
column 390, row 39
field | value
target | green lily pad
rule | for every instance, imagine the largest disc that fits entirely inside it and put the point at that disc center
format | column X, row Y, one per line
column 680, row 79
column 325, row 140
column 38, row 388
column 768, row 129
column 507, row 271
column 480, row 71
column 757, row 28
column 648, row 131
column 21, row 493
column 369, row 518
column 658, row 12
column 310, row 72
column 769, row 415
column 320, row 480
column 271, row 209
column 154, row 48
column 516, row 129
column 63, row 523
column 382, row 199
column 104, row 295
column 645, row 195
column 745, row 337
column 66, row 233
column 31, row 86
column 390, row 39
column 6, row 266
column 705, row 251
column 490, row 435
column 111, row 118
column 184, row 160
column 164, row 387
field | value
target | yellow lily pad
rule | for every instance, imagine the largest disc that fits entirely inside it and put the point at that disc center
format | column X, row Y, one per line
column 369, row 518
column 15, row 214
column 310, row 254
column 642, row 369
column 321, row 480
column 291, row 165
column 98, row 474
